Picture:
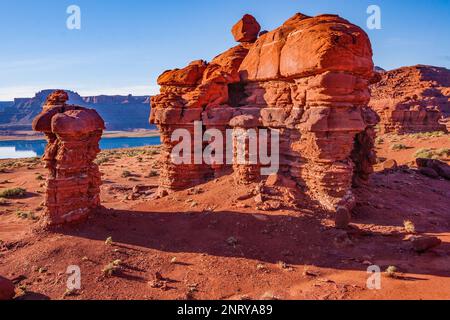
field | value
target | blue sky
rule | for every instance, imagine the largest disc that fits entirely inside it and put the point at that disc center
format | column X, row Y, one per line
column 124, row 45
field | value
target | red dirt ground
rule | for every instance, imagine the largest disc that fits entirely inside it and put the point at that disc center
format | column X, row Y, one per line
column 208, row 244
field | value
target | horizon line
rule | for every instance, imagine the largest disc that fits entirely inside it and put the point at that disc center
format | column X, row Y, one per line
column 9, row 94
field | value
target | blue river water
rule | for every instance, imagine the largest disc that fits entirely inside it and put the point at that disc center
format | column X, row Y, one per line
column 28, row 149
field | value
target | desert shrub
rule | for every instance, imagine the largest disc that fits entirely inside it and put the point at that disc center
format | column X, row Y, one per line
column 379, row 140
column 409, row 226
column 154, row 152
column 134, row 153
column 422, row 135
column 432, row 153
column 40, row 177
column 102, row 159
column 444, row 152
column 112, row 268
column 13, row 193
column 26, row 215
column 126, row 174
column 424, row 153
column 109, row 241
column 391, row 271
column 398, row 147
column 153, row 173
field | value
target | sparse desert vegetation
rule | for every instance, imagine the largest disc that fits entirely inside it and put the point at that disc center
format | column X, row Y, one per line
column 13, row 193
column 426, row 135
column 409, row 226
column 26, row 215
column 398, row 147
column 438, row 154
column 126, row 174
column 112, row 268
column 391, row 271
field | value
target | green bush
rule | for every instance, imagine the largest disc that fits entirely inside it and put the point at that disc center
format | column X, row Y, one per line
column 13, row 193
column 153, row 173
column 26, row 215
column 379, row 140
column 432, row 153
column 398, row 147
column 126, row 174
column 101, row 160
column 423, row 135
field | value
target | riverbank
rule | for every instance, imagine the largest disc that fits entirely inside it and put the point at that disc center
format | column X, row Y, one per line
column 19, row 149
column 33, row 136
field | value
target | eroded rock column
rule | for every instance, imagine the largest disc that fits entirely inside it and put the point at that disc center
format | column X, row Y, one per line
column 246, row 164
column 73, row 134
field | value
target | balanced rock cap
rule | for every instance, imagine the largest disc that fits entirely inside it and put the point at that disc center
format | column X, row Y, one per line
column 58, row 97
column 77, row 122
column 247, row 29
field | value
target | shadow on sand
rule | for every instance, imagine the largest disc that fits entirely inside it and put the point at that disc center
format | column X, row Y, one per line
column 301, row 240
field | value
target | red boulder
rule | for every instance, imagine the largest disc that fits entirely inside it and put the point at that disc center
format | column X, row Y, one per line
column 246, row 30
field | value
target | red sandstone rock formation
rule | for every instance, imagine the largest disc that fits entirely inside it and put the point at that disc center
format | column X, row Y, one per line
column 73, row 134
column 308, row 79
column 412, row 99
column 6, row 289
column 433, row 168
column 246, row 30
column 422, row 244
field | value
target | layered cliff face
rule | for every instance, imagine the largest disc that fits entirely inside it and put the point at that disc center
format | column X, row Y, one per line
column 73, row 134
column 412, row 99
column 119, row 112
column 307, row 80
column 5, row 104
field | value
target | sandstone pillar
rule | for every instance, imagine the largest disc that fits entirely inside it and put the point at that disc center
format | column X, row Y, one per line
column 73, row 134
column 245, row 149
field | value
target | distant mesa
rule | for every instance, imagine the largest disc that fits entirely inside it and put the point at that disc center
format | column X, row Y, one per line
column 379, row 69
column 119, row 112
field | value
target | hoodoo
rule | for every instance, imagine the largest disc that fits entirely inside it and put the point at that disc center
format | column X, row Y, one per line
column 73, row 134
column 308, row 80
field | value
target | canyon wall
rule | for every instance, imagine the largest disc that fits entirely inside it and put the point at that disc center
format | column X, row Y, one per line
column 73, row 183
column 308, row 80
column 412, row 99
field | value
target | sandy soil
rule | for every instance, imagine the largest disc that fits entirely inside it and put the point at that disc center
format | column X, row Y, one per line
column 212, row 242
